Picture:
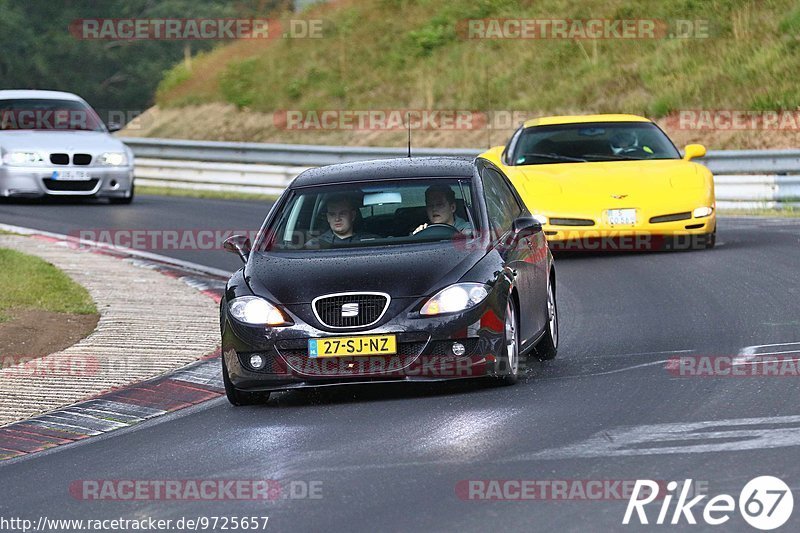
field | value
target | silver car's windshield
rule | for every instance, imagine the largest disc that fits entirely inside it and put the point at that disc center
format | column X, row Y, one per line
column 48, row 114
column 373, row 214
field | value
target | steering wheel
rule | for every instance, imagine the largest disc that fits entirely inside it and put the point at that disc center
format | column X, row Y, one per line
column 438, row 230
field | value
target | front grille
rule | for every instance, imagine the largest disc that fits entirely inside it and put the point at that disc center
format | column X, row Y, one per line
column 333, row 367
column 571, row 222
column 369, row 308
column 671, row 218
column 81, row 159
column 70, row 186
column 59, row 159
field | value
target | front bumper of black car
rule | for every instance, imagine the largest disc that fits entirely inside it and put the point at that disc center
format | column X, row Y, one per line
column 456, row 346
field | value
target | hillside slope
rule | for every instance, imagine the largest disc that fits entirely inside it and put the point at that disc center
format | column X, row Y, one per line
column 405, row 54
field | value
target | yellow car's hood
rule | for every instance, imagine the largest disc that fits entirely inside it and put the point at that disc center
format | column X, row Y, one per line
column 634, row 181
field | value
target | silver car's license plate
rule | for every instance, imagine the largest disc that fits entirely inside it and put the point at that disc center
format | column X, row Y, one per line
column 70, row 175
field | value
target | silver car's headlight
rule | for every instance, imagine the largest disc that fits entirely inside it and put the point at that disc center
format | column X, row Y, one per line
column 455, row 298
column 257, row 311
column 113, row 159
column 23, row 158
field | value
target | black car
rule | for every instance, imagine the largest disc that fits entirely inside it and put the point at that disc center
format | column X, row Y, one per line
column 393, row 270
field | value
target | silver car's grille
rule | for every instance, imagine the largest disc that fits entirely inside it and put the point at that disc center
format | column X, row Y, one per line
column 70, row 186
column 350, row 310
column 59, row 159
column 81, row 159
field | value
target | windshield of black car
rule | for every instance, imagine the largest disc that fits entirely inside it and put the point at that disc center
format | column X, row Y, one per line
column 373, row 214
column 48, row 114
column 591, row 142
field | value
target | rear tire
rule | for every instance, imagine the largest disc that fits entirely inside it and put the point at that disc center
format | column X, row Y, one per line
column 237, row 397
column 547, row 347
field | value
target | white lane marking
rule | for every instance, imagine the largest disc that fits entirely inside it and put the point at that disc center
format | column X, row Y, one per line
column 750, row 353
column 619, row 370
column 664, row 352
column 682, row 437
column 593, row 374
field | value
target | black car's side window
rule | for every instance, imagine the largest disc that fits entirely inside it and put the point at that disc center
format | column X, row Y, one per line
column 501, row 204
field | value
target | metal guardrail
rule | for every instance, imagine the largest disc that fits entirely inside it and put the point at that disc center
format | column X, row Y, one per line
column 743, row 178
column 302, row 155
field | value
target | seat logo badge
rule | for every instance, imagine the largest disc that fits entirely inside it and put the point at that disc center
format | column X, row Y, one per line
column 349, row 310
column 619, row 196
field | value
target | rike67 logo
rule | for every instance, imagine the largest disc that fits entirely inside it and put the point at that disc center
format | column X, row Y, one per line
column 765, row 503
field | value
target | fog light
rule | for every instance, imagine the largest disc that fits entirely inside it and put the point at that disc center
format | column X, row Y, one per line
column 458, row 349
column 257, row 361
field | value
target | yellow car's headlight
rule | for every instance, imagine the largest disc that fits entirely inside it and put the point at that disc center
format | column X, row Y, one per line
column 702, row 212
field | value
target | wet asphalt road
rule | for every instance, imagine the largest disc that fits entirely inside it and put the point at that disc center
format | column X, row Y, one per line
column 395, row 458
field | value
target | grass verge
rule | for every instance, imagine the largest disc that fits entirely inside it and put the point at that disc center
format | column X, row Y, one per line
column 786, row 212
column 188, row 193
column 31, row 283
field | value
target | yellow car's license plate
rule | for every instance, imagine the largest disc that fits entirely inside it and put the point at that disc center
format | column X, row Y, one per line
column 344, row 346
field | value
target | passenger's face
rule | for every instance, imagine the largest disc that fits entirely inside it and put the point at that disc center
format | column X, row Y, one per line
column 440, row 211
column 340, row 219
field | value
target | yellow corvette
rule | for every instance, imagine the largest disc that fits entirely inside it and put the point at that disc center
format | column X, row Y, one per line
column 610, row 181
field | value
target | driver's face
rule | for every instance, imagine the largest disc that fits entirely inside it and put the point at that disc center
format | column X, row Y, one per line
column 340, row 219
column 440, row 211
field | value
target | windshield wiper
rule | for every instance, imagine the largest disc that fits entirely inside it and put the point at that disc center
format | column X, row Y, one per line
column 620, row 157
column 557, row 157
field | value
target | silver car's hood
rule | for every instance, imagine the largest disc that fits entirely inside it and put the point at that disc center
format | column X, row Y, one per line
column 55, row 141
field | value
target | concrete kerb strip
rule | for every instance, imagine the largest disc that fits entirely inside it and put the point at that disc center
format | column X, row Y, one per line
column 156, row 314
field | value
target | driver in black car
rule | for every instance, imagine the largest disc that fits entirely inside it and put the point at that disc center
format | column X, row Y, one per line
column 340, row 211
column 440, row 203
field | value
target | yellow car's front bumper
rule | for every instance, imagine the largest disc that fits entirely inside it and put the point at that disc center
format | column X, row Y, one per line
column 690, row 233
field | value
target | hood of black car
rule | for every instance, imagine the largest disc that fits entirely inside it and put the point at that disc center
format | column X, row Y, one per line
column 295, row 278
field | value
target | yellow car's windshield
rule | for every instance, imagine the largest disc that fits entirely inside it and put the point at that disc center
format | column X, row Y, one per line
column 590, row 142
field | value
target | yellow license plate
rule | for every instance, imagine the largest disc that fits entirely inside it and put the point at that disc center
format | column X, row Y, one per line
column 344, row 346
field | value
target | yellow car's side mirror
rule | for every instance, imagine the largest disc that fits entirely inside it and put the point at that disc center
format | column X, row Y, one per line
column 693, row 151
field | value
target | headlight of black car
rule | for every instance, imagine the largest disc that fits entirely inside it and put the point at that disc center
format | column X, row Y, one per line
column 257, row 311
column 455, row 298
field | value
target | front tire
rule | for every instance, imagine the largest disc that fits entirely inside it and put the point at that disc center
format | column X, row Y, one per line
column 123, row 201
column 511, row 342
column 547, row 348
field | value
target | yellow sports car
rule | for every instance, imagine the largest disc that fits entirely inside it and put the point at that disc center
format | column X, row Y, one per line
column 610, row 181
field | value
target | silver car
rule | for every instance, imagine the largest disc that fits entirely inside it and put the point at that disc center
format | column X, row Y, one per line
column 54, row 144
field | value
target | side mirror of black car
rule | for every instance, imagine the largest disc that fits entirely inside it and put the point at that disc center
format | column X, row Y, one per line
column 240, row 245
column 525, row 226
